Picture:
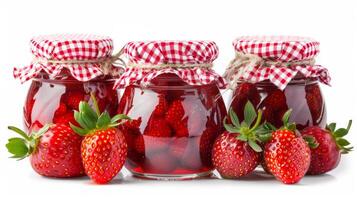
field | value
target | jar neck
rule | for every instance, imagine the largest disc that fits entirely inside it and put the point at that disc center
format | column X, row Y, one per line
column 295, row 81
column 68, row 78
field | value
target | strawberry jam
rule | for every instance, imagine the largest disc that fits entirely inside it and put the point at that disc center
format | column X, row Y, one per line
column 54, row 100
column 303, row 96
column 173, row 128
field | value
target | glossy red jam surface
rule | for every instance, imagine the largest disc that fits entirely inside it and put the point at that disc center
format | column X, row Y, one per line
column 174, row 126
column 54, row 101
column 304, row 97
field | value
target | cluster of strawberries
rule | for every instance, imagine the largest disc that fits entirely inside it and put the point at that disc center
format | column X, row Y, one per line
column 274, row 104
column 164, row 146
column 283, row 152
column 87, row 142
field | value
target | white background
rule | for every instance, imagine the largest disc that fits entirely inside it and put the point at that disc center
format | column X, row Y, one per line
column 332, row 23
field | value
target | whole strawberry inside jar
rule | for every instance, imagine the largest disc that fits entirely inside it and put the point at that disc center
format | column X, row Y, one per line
column 67, row 69
column 278, row 73
column 172, row 94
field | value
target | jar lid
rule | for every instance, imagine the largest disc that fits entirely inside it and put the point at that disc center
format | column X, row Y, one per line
column 275, row 58
column 85, row 56
column 191, row 61
column 171, row 52
column 278, row 48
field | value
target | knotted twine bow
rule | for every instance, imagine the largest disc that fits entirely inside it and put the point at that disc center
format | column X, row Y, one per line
column 105, row 63
column 243, row 64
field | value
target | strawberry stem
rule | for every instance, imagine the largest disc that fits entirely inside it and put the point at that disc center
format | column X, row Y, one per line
column 95, row 103
column 257, row 122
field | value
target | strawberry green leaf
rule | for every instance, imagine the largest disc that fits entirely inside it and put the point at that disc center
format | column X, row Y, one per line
column 249, row 113
column 254, row 146
column 91, row 114
column 79, row 131
column 242, row 137
column 286, row 116
column 103, row 120
column 331, row 127
column 342, row 142
column 340, row 132
column 311, row 141
column 18, row 147
column 234, row 118
column 78, row 118
column 19, row 131
column 89, row 124
column 119, row 117
column 230, row 128
column 264, row 137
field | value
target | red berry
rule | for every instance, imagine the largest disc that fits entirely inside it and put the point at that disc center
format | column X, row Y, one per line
column 157, row 127
column 57, row 151
column 175, row 112
column 315, row 102
column 65, row 119
column 61, row 110
column 233, row 158
column 287, row 156
column 104, row 153
column 73, row 98
column 274, row 107
column 326, row 148
column 161, row 107
column 244, row 92
column 139, row 144
column 206, row 145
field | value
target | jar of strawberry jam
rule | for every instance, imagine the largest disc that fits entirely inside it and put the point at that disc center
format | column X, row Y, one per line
column 65, row 70
column 172, row 94
column 277, row 73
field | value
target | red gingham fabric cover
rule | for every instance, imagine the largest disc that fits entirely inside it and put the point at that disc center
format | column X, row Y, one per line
column 170, row 52
column 283, row 49
column 67, row 47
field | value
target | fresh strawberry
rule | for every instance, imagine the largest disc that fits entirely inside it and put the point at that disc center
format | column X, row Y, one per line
column 326, row 147
column 54, row 150
column 236, row 152
column 104, row 148
column 157, row 127
column 161, row 107
column 73, row 98
column 274, row 106
column 287, row 156
column 315, row 102
column 243, row 93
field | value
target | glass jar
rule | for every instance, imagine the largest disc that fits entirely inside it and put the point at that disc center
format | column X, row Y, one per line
column 54, row 100
column 65, row 70
column 302, row 95
column 177, row 125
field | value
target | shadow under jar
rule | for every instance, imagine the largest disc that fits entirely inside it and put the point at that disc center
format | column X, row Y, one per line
column 55, row 100
column 178, row 125
column 301, row 95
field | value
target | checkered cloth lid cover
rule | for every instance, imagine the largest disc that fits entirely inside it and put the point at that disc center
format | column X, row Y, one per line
column 66, row 47
column 279, row 49
column 195, row 55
